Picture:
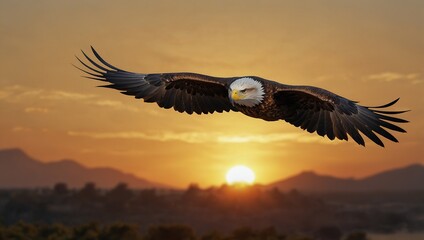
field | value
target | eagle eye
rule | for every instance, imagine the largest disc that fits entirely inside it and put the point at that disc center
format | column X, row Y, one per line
column 246, row 90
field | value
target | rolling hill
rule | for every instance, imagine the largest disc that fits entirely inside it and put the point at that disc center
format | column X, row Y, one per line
column 18, row 170
column 408, row 178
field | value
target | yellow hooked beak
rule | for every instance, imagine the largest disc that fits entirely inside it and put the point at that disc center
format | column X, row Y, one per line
column 235, row 95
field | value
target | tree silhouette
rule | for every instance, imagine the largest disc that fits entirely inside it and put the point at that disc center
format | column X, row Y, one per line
column 191, row 195
column 328, row 233
column 60, row 189
column 89, row 192
column 55, row 232
column 171, row 232
column 357, row 236
column 118, row 198
column 120, row 231
column 147, row 200
column 87, row 232
column 212, row 236
column 88, row 198
column 243, row 234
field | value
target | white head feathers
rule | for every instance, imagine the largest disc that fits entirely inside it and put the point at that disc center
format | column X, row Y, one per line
column 247, row 91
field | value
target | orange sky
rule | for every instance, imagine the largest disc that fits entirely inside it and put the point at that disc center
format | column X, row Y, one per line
column 371, row 51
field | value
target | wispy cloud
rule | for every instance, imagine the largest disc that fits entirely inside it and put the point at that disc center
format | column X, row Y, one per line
column 126, row 152
column 205, row 137
column 19, row 94
column 15, row 93
column 268, row 138
column 413, row 78
column 36, row 110
column 20, row 129
column 189, row 137
column 63, row 95
column 114, row 104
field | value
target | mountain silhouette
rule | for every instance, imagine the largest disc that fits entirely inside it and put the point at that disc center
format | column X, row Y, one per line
column 18, row 170
column 408, row 178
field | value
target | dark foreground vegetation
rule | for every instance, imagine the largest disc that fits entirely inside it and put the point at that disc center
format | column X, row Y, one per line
column 214, row 213
column 118, row 231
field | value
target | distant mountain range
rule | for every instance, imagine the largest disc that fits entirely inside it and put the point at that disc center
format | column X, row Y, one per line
column 18, row 170
column 400, row 179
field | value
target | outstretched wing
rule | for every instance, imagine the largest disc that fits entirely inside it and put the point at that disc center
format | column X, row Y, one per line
column 315, row 109
column 185, row 92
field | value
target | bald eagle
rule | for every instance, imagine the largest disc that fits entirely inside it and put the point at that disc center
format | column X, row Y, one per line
column 310, row 108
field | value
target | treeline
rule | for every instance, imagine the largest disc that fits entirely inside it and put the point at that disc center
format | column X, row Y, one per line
column 74, row 206
column 119, row 231
column 224, row 208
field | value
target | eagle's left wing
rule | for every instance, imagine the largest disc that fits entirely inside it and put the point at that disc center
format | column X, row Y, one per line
column 315, row 109
column 185, row 92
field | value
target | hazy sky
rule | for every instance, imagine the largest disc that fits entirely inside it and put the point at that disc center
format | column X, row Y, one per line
column 370, row 51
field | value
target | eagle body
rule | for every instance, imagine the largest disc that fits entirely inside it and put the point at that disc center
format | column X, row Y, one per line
column 310, row 108
column 267, row 109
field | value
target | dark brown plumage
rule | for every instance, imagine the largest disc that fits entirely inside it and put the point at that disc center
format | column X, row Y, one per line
column 310, row 108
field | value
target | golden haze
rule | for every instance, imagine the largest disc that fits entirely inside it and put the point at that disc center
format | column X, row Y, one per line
column 367, row 51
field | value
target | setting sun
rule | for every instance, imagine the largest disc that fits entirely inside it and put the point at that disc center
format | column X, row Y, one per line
column 240, row 175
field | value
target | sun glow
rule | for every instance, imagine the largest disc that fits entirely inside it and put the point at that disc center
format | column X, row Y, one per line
column 240, row 175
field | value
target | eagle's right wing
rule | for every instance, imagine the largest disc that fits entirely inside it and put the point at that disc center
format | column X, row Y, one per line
column 185, row 92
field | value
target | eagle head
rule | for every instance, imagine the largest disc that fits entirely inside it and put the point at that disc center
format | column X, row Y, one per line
column 246, row 91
